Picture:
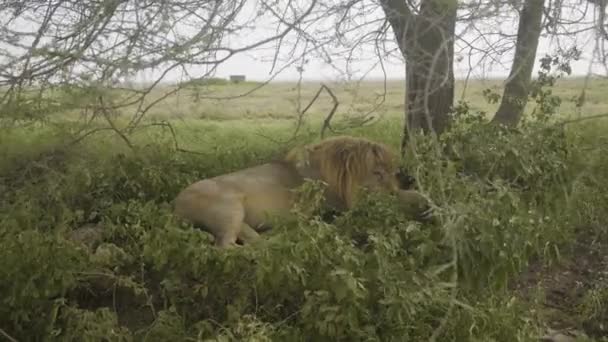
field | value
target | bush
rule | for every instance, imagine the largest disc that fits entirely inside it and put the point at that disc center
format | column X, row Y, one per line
column 503, row 198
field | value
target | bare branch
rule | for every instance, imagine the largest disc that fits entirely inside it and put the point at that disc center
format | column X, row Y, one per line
column 7, row 336
column 327, row 121
column 88, row 43
column 106, row 116
column 585, row 118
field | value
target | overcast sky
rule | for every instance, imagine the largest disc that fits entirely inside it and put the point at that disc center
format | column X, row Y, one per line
column 256, row 69
column 256, row 66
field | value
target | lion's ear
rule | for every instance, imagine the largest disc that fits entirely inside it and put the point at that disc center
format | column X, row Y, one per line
column 302, row 158
column 376, row 150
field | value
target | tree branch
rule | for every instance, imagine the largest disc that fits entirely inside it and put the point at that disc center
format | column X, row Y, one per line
column 400, row 17
column 8, row 337
column 106, row 116
column 327, row 121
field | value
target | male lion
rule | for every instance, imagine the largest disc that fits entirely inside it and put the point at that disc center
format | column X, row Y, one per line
column 233, row 207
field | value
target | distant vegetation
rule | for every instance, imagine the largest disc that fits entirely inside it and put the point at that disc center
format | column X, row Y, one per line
column 209, row 81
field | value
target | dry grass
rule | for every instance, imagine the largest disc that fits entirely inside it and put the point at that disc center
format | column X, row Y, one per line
column 203, row 114
column 279, row 101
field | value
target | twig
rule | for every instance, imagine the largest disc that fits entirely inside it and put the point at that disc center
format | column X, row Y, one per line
column 454, row 263
column 164, row 124
column 590, row 117
column 313, row 99
column 8, row 337
column 299, row 98
column 104, row 111
column 176, row 146
column 327, row 121
column 83, row 136
column 274, row 141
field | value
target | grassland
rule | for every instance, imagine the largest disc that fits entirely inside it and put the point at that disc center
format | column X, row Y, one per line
column 278, row 101
column 251, row 108
column 520, row 247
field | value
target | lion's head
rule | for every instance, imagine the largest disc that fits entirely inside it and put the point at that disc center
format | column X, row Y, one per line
column 346, row 164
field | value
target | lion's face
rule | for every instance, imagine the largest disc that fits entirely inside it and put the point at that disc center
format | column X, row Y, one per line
column 381, row 179
column 348, row 163
column 381, row 174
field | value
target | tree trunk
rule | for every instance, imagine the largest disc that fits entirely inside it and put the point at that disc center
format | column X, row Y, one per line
column 515, row 96
column 426, row 40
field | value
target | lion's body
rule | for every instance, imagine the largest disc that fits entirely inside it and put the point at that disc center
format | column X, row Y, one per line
column 235, row 206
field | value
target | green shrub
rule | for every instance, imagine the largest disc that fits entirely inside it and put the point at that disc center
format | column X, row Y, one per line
column 502, row 198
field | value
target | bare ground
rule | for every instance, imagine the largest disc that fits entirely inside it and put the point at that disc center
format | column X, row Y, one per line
column 571, row 296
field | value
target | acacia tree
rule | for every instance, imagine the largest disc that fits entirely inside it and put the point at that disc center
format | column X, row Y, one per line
column 425, row 34
column 427, row 40
column 81, row 55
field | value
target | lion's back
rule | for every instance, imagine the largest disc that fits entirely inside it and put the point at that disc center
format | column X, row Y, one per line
column 269, row 174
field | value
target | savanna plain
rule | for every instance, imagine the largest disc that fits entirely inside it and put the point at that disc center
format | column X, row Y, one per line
column 90, row 249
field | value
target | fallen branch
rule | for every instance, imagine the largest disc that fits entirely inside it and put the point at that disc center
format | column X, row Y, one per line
column 301, row 114
column 8, row 337
column 590, row 117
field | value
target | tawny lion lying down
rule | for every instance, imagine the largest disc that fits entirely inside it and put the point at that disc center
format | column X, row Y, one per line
column 234, row 207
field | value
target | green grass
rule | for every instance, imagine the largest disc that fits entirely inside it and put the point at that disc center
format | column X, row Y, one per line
column 507, row 202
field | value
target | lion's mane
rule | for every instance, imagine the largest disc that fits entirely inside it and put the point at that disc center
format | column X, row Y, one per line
column 342, row 162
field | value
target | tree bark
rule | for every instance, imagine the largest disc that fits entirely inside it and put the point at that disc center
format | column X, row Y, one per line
column 515, row 96
column 426, row 40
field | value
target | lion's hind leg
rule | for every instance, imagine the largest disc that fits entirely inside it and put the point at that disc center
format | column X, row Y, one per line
column 247, row 235
column 227, row 222
column 221, row 212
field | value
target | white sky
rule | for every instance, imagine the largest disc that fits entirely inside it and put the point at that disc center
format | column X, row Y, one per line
column 254, row 69
column 254, row 66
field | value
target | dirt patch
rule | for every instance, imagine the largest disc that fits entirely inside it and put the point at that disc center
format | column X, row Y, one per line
column 562, row 291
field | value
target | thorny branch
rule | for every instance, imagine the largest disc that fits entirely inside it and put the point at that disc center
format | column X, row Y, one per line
column 78, row 44
column 62, row 45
